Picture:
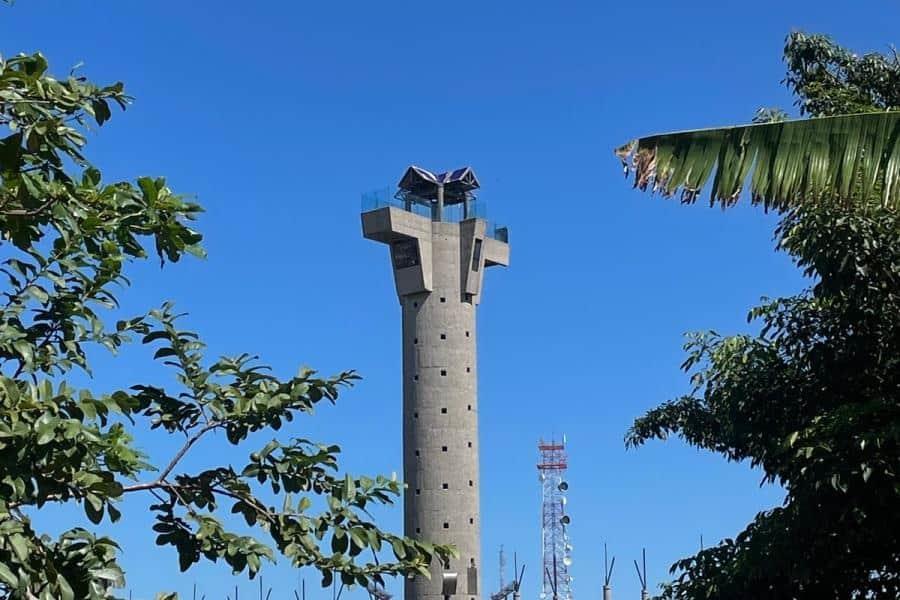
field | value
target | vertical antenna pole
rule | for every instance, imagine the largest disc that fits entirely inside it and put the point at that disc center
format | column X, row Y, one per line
column 502, row 566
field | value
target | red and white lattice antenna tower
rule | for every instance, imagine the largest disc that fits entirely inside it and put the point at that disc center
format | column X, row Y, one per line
column 555, row 546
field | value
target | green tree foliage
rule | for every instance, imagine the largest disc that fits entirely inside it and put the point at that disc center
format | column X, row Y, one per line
column 830, row 80
column 67, row 238
column 813, row 399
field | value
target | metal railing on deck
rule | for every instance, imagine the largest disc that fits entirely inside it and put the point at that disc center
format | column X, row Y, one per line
column 452, row 214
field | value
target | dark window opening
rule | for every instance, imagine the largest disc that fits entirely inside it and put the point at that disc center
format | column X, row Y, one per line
column 443, row 299
column 443, row 411
column 415, row 305
column 476, row 256
column 471, row 483
column 443, row 372
column 418, row 491
column 405, row 253
column 443, row 448
column 415, row 377
column 415, row 340
column 470, row 444
column 468, row 369
column 418, row 530
column 445, row 486
column 417, row 452
column 446, row 525
column 443, row 336
column 469, row 407
column 471, row 521
column 467, row 334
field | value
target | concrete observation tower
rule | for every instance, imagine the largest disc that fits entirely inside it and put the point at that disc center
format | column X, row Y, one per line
column 439, row 251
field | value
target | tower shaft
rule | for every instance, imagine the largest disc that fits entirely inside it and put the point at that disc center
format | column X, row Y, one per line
column 438, row 268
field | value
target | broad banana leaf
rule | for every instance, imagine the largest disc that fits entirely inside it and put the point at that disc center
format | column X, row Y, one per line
column 847, row 159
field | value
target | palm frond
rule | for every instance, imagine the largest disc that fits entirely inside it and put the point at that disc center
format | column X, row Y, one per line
column 848, row 158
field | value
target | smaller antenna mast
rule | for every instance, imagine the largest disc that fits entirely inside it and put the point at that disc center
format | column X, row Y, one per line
column 642, row 577
column 516, row 594
column 607, row 577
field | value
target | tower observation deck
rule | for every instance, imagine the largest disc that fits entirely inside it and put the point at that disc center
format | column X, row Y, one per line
column 439, row 248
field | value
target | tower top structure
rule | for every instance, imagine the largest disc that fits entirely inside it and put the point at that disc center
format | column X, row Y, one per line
column 423, row 186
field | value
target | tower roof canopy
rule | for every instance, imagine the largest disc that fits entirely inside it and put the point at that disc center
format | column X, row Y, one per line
column 423, row 184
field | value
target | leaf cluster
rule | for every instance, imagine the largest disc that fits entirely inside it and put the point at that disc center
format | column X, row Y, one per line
column 831, row 80
column 813, row 400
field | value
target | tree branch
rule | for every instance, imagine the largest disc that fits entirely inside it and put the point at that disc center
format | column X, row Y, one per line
column 160, row 482
column 187, row 446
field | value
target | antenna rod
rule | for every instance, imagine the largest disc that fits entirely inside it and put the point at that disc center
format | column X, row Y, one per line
column 644, row 552
column 515, row 564
column 555, row 596
column 605, row 564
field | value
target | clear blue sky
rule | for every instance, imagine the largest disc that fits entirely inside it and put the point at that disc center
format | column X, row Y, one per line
column 277, row 115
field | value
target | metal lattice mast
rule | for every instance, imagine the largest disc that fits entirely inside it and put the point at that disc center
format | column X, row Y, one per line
column 556, row 550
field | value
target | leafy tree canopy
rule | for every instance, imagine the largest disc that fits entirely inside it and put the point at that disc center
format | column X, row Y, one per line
column 67, row 237
column 813, row 399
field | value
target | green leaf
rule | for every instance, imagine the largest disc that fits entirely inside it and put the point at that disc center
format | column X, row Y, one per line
column 20, row 547
column 399, row 549
column 25, row 351
column 65, row 590
column 93, row 508
column 349, row 488
column 7, row 577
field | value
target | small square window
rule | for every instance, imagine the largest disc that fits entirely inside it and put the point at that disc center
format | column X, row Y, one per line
column 468, row 369
column 444, row 411
column 443, row 336
column 443, row 448
column 418, row 530
column 415, row 340
column 467, row 334
column 415, row 415
column 471, row 483
column 443, row 299
column 471, row 521
column 446, row 525
column 417, row 453
column 418, row 491
column 443, row 372
column 469, row 407
column 445, row 486
column 470, row 444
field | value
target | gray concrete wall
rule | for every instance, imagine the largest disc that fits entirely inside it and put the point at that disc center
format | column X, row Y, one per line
column 440, row 391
